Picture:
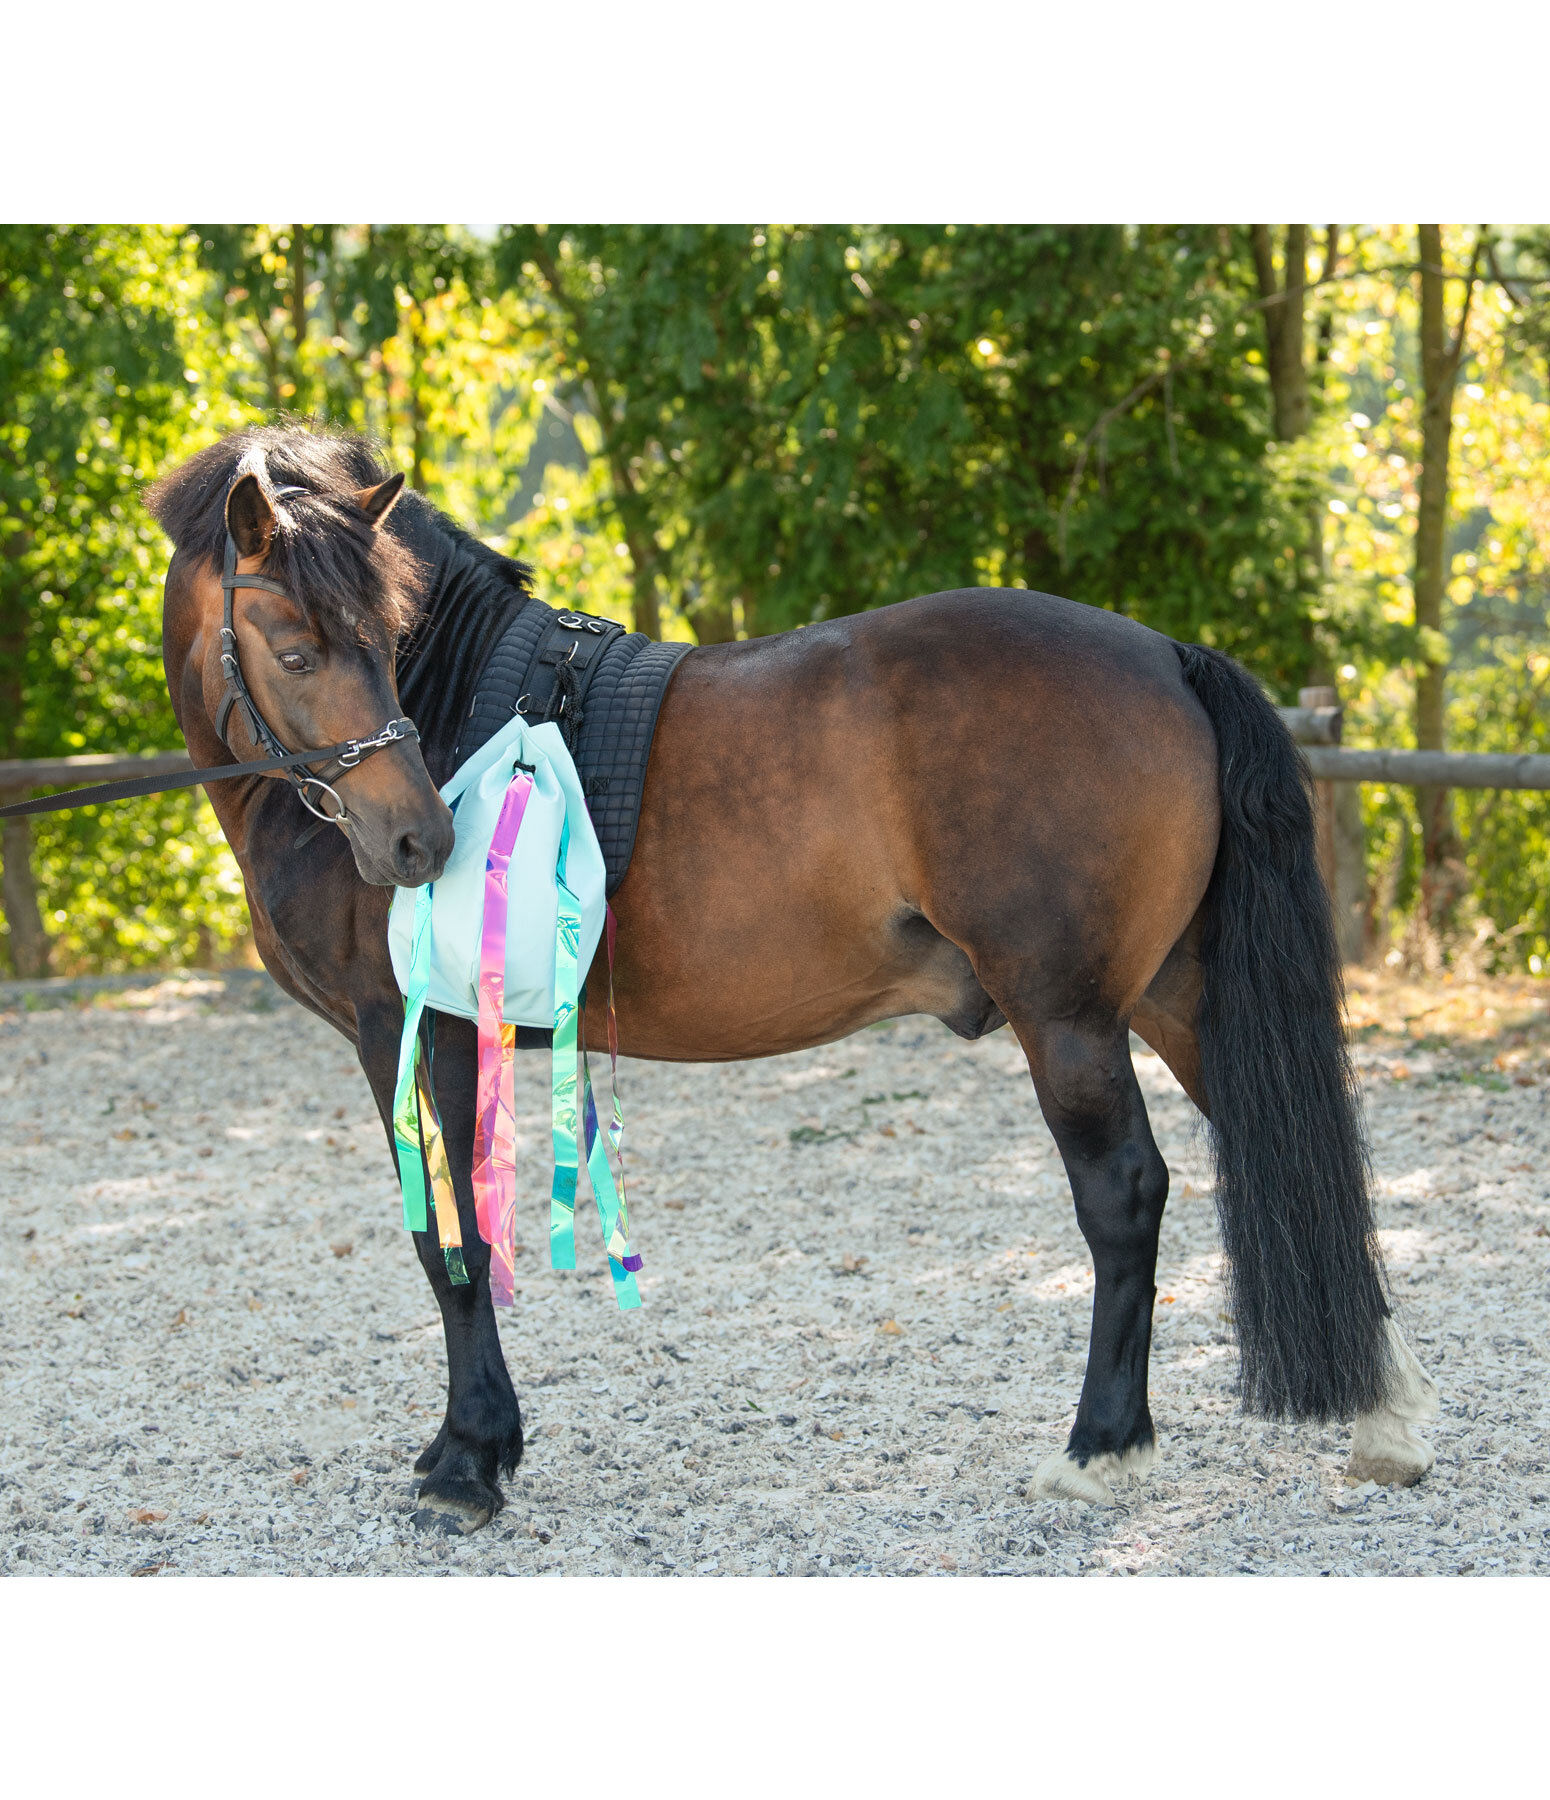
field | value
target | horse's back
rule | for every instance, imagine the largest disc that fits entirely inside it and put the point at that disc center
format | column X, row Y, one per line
column 1013, row 768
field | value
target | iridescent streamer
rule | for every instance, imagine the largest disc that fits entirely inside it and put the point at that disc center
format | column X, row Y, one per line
column 607, row 1191
column 406, row 1127
column 495, row 1178
column 567, row 950
column 449, row 1230
column 622, row 1264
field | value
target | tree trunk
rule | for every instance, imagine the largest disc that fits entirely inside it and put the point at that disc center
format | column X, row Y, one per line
column 639, row 541
column 712, row 621
column 1442, row 872
column 298, row 266
column 1284, row 309
column 420, row 465
column 1284, row 304
column 634, row 517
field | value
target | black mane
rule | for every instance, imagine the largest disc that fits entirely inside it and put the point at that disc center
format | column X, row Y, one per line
column 351, row 581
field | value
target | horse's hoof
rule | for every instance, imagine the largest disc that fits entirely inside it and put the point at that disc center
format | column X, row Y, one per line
column 1386, row 1450
column 1385, row 1447
column 441, row 1524
column 1062, row 1477
column 455, row 1507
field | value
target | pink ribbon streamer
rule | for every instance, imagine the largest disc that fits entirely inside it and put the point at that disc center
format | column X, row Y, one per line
column 495, row 1174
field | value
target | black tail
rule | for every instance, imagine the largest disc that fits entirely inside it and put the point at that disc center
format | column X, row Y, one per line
column 1292, row 1177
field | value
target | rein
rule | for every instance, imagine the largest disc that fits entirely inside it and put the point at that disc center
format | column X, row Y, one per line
column 337, row 759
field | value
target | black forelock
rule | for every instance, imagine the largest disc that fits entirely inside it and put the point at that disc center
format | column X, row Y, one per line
column 354, row 582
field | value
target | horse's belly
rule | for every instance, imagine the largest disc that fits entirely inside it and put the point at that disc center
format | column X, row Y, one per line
column 776, row 990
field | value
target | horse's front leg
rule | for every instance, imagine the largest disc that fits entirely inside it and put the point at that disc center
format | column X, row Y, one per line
column 481, row 1436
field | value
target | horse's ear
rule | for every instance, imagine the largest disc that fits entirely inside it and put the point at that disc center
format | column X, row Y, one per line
column 250, row 517
column 377, row 502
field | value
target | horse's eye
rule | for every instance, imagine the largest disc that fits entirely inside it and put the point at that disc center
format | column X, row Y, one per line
column 294, row 661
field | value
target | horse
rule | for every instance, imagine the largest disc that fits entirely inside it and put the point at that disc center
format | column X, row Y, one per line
column 992, row 806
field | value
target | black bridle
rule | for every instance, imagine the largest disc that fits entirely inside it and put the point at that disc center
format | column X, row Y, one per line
column 336, row 759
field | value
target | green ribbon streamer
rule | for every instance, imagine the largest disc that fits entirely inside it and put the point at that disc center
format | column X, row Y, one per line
column 406, row 1112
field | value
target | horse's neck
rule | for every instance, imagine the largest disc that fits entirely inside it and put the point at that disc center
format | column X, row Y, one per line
column 467, row 607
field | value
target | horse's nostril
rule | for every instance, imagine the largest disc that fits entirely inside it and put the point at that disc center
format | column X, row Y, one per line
column 410, row 855
column 420, row 854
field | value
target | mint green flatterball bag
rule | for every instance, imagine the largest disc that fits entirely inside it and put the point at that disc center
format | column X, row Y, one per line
column 475, row 794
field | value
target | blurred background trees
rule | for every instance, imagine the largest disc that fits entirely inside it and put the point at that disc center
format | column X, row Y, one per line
column 1323, row 448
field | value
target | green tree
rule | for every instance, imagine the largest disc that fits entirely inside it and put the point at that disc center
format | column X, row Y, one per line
column 97, row 329
column 800, row 421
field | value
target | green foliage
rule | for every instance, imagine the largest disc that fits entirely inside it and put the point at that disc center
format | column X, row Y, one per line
column 1505, row 707
column 727, row 430
column 802, row 421
column 103, row 359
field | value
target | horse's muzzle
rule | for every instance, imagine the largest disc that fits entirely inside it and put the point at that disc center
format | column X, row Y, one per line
column 407, row 856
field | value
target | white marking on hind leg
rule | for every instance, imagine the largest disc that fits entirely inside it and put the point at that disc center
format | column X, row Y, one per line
column 1384, row 1446
column 1062, row 1477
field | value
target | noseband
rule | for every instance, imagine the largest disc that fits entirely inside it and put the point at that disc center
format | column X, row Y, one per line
column 337, row 759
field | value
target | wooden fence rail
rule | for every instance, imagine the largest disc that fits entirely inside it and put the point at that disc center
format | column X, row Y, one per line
column 1316, row 729
column 76, row 771
column 1316, row 724
column 1428, row 768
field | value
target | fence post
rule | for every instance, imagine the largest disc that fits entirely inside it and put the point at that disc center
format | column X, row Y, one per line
column 1324, row 795
column 28, row 941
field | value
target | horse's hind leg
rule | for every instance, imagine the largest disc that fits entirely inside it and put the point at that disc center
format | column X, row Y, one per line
column 1088, row 1092
column 1386, row 1443
column 481, row 1436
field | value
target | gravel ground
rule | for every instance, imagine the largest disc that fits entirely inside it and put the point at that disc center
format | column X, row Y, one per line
column 865, row 1316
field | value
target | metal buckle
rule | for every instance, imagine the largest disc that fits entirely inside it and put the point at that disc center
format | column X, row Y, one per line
column 351, row 755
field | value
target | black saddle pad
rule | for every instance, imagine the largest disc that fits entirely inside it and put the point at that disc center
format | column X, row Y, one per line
column 603, row 685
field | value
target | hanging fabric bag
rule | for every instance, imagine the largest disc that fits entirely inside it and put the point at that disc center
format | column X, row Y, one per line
column 504, row 936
